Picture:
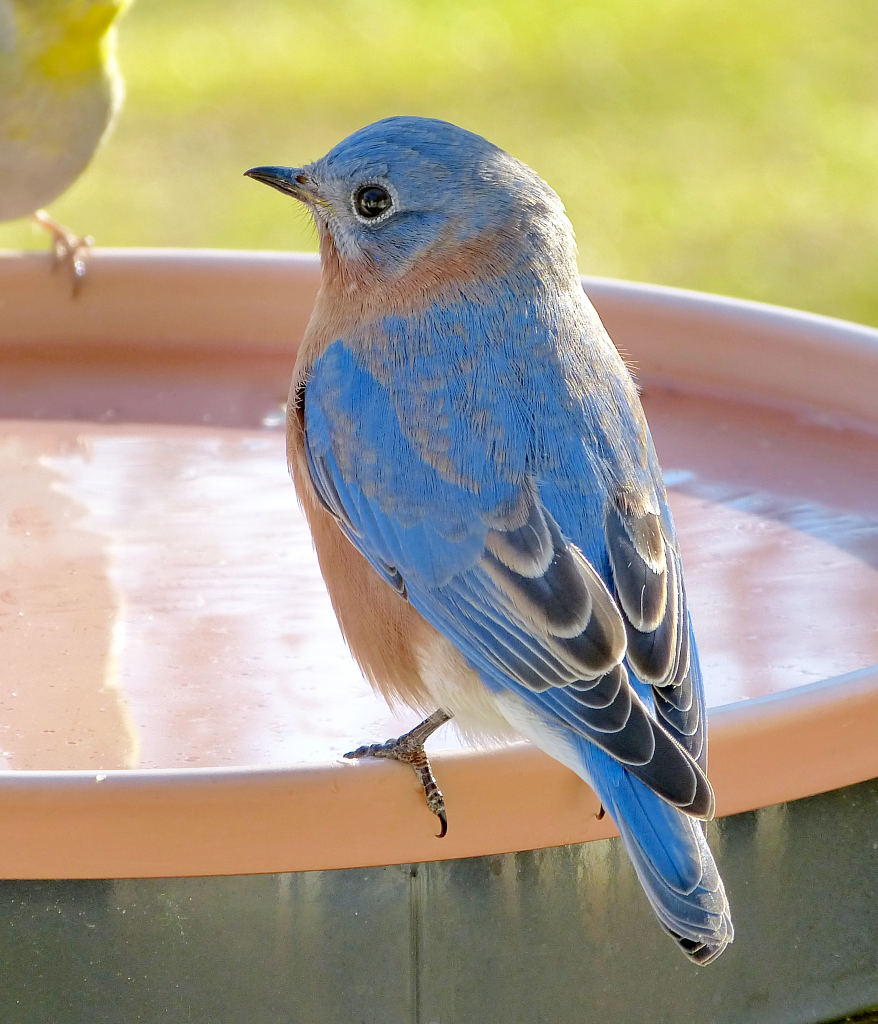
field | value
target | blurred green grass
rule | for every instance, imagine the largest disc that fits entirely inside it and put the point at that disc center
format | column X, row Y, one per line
column 707, row 144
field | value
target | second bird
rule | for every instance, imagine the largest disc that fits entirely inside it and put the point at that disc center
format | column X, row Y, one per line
column 484, row 496
column 60, row 91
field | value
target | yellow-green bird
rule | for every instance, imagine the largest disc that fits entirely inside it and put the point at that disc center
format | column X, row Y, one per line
column 60, row 91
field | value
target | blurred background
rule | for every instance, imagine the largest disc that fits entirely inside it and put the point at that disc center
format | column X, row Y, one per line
column 706, row 144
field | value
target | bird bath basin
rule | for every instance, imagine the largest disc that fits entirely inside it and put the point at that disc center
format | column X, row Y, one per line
column 175, row 694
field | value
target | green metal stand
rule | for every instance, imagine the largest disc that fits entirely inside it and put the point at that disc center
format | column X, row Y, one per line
column 560, row 936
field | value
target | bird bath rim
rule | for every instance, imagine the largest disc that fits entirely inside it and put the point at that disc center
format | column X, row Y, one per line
column 159, row 822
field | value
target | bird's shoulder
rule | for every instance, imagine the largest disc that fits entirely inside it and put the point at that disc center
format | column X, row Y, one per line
column 495, row 358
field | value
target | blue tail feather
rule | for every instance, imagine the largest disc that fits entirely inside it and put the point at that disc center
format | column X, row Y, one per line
column 671, row 857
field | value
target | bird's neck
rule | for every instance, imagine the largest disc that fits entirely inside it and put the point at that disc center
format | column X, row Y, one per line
column 356, row 291
column 355, row 301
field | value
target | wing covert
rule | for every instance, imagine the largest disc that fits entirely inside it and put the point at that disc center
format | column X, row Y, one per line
column 491, row 569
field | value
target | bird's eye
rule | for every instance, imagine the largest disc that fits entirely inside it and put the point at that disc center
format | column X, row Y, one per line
column 372, row 201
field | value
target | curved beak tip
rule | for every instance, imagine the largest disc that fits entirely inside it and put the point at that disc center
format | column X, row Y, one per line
column 264, row 173
column 285, row 179
column 281, row 178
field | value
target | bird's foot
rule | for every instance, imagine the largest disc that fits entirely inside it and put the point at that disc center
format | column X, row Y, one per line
column 409, row 748
column 70, row 250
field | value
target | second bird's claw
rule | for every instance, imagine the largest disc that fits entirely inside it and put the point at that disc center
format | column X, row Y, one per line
column 68, row 248
column 77, row 258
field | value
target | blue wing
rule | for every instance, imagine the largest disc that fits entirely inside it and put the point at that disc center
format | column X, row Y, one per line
column 500, row 531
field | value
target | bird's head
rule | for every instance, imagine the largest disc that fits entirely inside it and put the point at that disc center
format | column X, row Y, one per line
column 408, row 192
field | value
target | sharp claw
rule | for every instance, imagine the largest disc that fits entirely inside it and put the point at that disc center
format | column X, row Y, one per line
column 409, row 749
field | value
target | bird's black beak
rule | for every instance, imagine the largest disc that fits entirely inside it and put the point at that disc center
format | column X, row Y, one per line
column 289, row 180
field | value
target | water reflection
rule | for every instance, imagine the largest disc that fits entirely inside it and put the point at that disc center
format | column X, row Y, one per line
column 60, row 705
column 230, row 651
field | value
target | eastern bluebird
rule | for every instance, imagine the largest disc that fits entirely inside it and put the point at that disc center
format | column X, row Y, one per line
column 484, row 496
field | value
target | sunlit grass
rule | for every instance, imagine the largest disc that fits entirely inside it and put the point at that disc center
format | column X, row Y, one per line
column 703, row 143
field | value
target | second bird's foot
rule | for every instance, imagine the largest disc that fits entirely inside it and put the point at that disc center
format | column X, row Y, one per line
column 409, row 749
column 69, row 249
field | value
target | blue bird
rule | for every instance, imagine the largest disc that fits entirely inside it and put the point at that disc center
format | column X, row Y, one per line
column 484, row 496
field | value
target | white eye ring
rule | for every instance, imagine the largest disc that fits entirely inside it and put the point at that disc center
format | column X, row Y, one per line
column 382, row 191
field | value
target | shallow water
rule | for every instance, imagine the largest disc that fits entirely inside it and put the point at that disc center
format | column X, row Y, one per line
column 161, row 605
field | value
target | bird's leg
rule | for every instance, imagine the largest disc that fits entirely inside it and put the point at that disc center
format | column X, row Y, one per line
column 409, row 748
column 68, row 248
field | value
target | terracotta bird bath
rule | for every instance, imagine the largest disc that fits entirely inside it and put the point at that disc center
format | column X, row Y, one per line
column 180, row 837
